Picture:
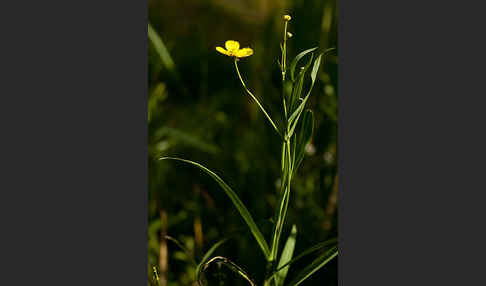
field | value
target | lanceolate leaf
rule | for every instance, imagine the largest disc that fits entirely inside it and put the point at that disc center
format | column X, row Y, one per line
column 212, row 249
column 286, row 256
column 296, row 61
column 236, row 201
column 208, row 254
column 315, row 68
column 317, row 264
column 298, row 84
column 228, row 263
column 294, row 118
column 308, row 251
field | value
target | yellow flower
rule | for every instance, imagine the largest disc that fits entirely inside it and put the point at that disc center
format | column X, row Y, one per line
column 287, row 17
column 233, row 50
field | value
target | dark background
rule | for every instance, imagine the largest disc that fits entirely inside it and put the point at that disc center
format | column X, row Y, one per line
column 199, row 111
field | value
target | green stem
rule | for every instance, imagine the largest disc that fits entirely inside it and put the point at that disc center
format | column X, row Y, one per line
column 286, row 167
column 284, row 52
column 255, row 99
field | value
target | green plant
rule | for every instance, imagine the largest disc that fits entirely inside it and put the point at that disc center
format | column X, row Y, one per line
column 295, row 134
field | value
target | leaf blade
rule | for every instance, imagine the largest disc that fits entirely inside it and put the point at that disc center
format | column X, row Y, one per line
column 308, row 251
column 212, row 249
column 294, row 118
column 315, row 265
column 296, row 60
column 236, row 201
column 208, row 253
column 286, row 256
column 228, row 263
column 298, row 85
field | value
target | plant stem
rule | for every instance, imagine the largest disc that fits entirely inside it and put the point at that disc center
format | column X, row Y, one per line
column 284, row 52
column 286, row 169
column 255, row 99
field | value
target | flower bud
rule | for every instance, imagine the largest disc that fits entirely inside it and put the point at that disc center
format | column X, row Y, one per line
column 287, row 17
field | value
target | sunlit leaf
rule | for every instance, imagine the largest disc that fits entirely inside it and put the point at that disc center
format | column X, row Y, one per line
column 296, row 61
column 229, row 264
column 286, row 256
column 294, row 118
column 308, row 251
column 245, row 214
column 208, row 254
column 298, row 84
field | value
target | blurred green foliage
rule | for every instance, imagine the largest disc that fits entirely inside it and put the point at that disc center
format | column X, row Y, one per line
column 198, row 110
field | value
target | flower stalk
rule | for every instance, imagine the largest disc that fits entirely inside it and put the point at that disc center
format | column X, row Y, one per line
column 255, row 99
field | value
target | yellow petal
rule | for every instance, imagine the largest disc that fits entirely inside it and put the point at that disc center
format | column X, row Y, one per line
column 245, row 52
column 223, row 51
column 232, row 45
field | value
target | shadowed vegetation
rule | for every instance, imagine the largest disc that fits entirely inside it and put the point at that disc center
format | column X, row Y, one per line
column 199, row 111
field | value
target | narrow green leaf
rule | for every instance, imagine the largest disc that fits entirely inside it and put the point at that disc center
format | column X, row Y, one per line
column 308, row 251
column 286, row 256
column 212, row 249
column 299, row 83
column 294, row 118
column 245, row 214
column 208, row 254
column 317, row 264
column 296, row 90
column 296, row 61
column 315, row 68
column 297, row 111
column 228, row 263
column 303, row 137
column 160, row 48
column 328, row 51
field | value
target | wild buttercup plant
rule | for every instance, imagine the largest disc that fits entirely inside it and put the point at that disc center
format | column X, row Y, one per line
column 295, row 134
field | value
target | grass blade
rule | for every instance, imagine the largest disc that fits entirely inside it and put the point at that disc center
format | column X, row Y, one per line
column 315, row 68
column 308, row 251
column 228, row 263
column 294, row 118
column 317, row 264
column 212, row 249
column 296, row 61
column 245, row 214
column 298, row 84
column 208, row 254
column 286, row 256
